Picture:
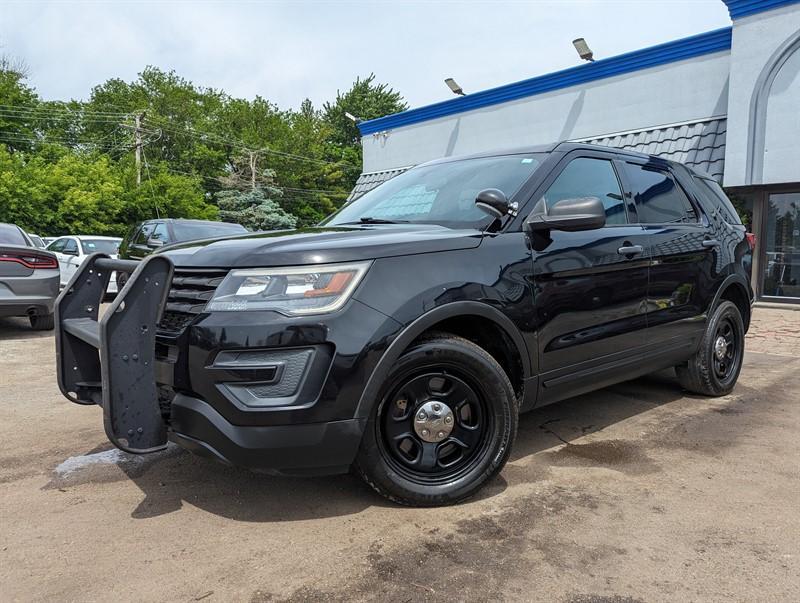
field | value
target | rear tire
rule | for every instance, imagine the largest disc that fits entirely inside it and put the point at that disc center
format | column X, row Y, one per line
column 42, row 322
column 715, row 367
column 122, row 278
column 465, row 439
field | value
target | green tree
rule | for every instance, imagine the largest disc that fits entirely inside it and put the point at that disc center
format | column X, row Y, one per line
column 365, row 100
column 198, row 142
column 177, row 119
column 253, row 209
column 18, row 104
column 164, row 194
column 57, row 192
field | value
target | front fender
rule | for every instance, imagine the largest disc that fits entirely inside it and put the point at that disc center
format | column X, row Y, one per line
column 422, row 324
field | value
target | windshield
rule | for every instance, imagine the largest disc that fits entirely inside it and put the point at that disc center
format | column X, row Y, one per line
column 191, row 231
column 109, row 246
column 443, row 193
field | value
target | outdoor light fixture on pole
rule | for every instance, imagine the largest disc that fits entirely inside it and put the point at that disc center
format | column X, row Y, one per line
column 352, row 117
column 583, row 49
column 451, row 83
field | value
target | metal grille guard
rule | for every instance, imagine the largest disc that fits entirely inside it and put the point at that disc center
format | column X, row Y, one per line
column 111, row 362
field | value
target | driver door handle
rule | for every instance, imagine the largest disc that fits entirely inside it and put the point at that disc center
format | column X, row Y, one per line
column 710, row 243
column 630, row 250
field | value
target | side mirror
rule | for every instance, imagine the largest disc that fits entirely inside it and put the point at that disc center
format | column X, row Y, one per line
column 70, row 252
column 151, row 242
column 494, row 203
column 583, row 213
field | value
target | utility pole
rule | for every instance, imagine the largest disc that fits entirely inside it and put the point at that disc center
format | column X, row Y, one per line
column 253, row 166
column 138, row 137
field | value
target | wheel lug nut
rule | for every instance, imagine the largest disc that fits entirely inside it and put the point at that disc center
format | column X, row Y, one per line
column 422, row 416
column 425, row 432
column 440, row 435
column 448, row 419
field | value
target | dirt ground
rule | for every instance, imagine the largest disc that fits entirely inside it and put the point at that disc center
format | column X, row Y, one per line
column 634, row 493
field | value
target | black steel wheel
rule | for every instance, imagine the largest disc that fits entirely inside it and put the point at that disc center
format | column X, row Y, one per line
column 725, row 349
column 443, row 425
column 715, row 367
column 433, row 424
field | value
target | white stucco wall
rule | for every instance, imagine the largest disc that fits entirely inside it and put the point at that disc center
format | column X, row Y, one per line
column 782, row 125
column 687, row 90
column 764, row 125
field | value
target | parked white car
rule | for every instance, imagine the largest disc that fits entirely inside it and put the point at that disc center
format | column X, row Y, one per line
column 72, row 250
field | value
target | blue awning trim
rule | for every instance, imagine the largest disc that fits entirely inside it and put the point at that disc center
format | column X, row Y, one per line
column 678, row 50
column 745, row 8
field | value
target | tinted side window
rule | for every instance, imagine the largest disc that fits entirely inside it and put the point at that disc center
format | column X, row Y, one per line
column 586, row 177
column 71, row 247
column 144, row 233
column 160, row 232
column 714, row 193
column 57, row 245
column 659, row 199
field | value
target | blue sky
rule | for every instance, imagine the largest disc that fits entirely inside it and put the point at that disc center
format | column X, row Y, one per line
column 287, row 51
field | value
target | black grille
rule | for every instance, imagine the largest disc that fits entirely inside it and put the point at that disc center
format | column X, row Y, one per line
column 189, row 292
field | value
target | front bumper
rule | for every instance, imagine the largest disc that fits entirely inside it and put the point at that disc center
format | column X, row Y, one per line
column 193, row 387
column 313, row 448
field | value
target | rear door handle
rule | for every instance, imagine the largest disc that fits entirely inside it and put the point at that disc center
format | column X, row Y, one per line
column 710, row 243
column 630, row 250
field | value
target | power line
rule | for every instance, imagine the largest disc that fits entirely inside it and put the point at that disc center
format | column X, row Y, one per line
column 191, row 131
column 18, row 137
column 59, row 112
column 311, row 191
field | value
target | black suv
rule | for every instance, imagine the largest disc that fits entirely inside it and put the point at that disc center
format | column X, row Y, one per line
column 404, row 334
column 146, row 237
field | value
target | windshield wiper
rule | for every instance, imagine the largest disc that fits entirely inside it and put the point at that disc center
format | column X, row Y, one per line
column 371, row 220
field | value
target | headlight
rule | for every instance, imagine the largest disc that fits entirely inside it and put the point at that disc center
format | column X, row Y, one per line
column 292, row 291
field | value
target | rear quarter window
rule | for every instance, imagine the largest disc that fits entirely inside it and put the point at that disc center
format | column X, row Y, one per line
column 659, row 199
column 716, row 196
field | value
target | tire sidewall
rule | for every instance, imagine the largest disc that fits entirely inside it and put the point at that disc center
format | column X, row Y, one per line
column 492, row 384
column 725, row 310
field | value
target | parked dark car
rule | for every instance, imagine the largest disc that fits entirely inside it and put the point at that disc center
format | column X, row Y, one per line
column 146, row 237
column 28, row 278
column 404, row 334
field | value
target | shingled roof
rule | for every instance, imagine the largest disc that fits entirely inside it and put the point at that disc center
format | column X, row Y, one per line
column 699, row 144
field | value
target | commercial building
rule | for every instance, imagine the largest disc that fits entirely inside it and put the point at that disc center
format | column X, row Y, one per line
column 726, row 102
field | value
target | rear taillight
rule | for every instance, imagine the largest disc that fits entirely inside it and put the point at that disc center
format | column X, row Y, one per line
column 751, row 240
column 30, row 260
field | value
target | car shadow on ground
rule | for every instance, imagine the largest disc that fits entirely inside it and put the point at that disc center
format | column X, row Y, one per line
column 568, row 420
column 173, row 478
column 19, row 327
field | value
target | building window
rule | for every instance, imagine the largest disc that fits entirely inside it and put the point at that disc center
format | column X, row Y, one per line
column 781, row 271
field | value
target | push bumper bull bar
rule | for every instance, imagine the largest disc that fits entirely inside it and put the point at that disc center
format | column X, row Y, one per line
column 110, row 360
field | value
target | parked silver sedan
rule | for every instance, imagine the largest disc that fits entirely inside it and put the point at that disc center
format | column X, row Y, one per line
column 29, row 278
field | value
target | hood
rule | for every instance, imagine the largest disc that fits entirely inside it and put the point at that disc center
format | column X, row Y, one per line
column 321, row 245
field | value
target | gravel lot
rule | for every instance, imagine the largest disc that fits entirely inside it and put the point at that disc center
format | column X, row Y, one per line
column 634, row 493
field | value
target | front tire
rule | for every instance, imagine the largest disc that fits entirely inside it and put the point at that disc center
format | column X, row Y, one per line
column 443, row 425
column 715, row 367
